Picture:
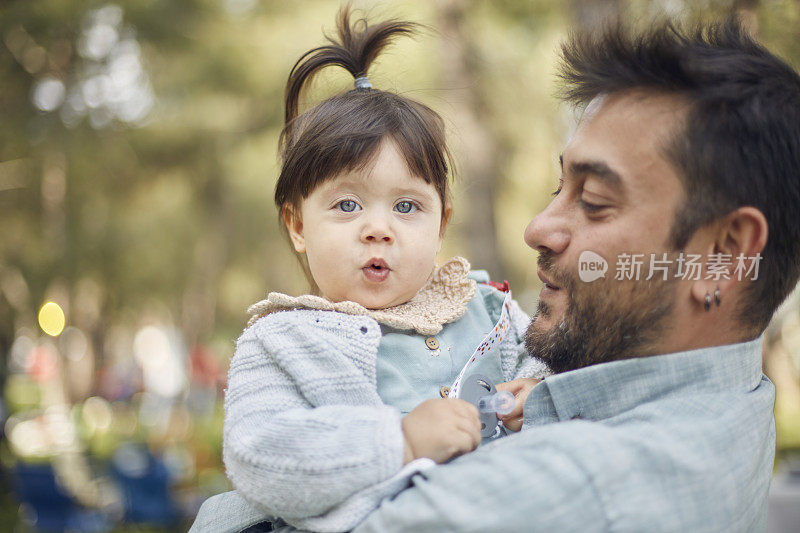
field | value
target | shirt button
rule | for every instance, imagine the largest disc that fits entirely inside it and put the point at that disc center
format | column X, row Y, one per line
column 432, row 343
column 444, row 392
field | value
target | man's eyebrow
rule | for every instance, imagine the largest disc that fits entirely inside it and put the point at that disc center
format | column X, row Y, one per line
column 595, row 168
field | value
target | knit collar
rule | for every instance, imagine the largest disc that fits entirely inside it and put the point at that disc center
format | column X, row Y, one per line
column 443, row 299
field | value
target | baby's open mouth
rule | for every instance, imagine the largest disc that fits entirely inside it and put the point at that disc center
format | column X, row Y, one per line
column 376, row 270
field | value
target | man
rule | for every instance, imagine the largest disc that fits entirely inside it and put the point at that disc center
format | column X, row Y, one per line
column 664, row 253
column 658, row 417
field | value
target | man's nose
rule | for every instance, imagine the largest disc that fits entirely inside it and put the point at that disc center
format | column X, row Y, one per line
column 377, row 229
column 548, row 231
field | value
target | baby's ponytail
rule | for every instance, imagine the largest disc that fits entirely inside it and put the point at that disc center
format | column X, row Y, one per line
column 357, row 47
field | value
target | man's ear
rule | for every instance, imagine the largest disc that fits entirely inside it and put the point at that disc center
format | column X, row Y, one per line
column 743, row 232
column 294, row 225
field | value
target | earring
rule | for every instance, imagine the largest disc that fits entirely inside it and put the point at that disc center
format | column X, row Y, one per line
column 717, row 299
column 708, row 301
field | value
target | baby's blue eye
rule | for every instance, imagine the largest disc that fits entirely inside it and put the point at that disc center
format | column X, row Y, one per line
column 348, row 206
column 405, row 206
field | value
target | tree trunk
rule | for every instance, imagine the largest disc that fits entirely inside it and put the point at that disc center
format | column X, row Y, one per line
column 475, row 145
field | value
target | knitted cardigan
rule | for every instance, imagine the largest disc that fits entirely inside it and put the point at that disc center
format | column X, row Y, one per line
column 306, row 437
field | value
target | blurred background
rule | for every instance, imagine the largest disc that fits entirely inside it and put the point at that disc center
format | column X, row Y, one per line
column 137, row 165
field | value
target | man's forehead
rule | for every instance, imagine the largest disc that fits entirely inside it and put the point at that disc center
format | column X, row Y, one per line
column 594, row 106
column 637, row 107
column 625, row 133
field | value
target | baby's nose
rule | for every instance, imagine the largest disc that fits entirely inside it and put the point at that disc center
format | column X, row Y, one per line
column 377, row 230
column 376, row 236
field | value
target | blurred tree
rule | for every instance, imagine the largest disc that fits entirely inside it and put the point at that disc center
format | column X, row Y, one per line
column 590, row 14
column 476, row 145
column 117, row 130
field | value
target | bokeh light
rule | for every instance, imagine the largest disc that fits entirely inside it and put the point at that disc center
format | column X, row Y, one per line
column 97, row 414
column 48, row 94
column 52, row 319
column 74, row 344
column 163, row 366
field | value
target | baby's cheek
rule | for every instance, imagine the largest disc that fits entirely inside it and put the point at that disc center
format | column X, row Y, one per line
column 424, row 264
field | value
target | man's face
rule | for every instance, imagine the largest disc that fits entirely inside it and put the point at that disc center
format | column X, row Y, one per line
column 617, row 194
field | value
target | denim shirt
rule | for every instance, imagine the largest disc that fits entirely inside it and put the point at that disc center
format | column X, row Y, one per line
column 677, row 442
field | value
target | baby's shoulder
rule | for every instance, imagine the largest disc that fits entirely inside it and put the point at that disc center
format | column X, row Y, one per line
column 311, row 325
column 488, row 286
column 492, row 293
column 309, row 318
column 493, row 296
column 480, row 276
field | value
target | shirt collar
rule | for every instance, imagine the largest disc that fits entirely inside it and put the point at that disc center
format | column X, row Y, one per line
column 604, row 390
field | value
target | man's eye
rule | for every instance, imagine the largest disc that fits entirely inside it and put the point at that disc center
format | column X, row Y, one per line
column 555, row 192
column 591, row 208
column 348, row 206
column 405, row 206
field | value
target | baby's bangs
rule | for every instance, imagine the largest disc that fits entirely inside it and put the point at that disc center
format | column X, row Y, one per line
column 419, row 135
column 350, row 153
column 343, row 134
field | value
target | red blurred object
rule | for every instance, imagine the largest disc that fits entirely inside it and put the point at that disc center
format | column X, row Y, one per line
column 204, row 366
column 42, row 363
column 499, row 286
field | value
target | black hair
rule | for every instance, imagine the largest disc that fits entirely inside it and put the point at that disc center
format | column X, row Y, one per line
column 343, row 133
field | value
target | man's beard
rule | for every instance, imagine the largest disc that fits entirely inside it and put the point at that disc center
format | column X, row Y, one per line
column 605, row 320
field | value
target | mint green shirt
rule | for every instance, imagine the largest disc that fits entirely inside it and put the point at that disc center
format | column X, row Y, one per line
column 409, row 372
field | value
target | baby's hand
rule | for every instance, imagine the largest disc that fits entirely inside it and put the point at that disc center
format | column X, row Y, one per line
column 520, row 387
column 439, row 429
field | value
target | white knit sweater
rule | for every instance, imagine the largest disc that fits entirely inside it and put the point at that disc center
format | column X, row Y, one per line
column 306, row 437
